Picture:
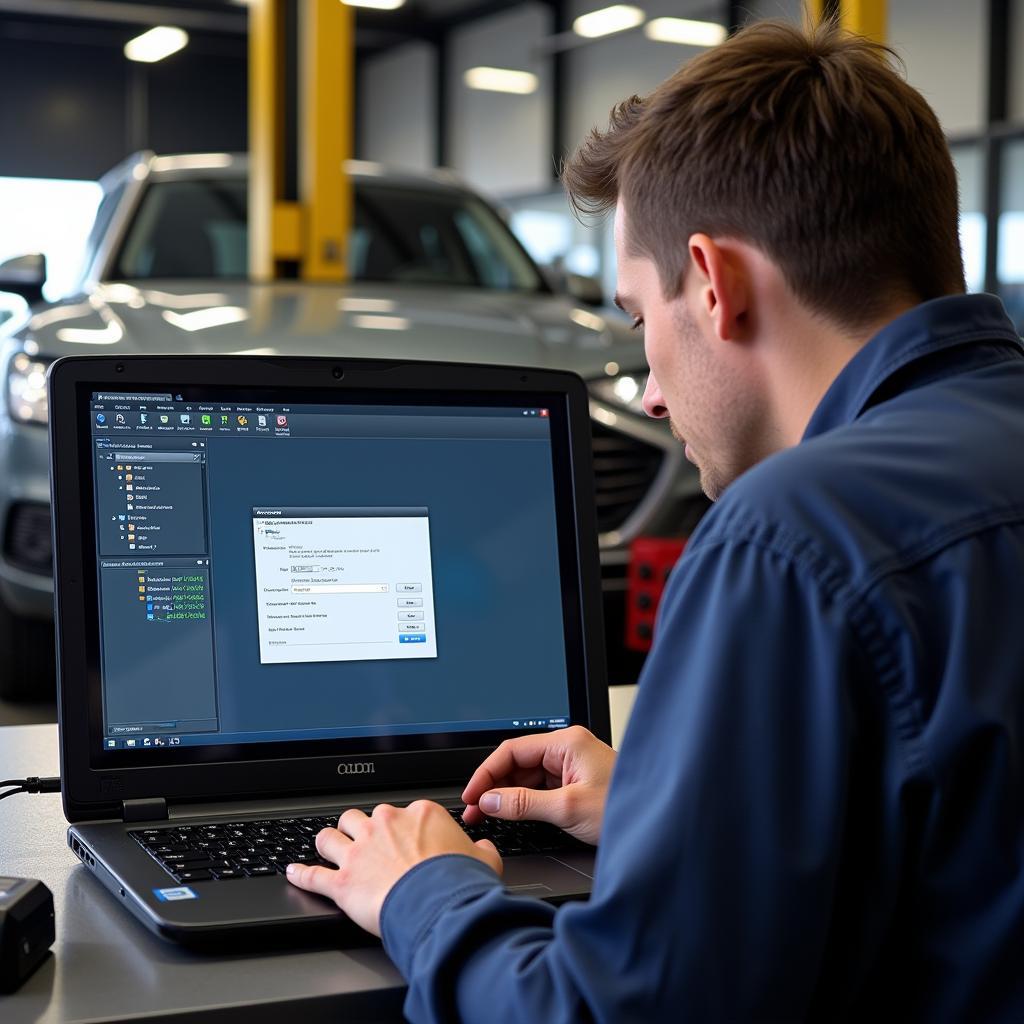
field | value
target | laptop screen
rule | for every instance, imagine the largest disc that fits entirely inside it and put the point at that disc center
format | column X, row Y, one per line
column 383, row 569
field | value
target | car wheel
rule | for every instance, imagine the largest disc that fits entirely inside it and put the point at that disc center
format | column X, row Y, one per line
column 27, row 657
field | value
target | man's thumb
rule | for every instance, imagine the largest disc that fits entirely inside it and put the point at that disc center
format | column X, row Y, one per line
column 518, row 804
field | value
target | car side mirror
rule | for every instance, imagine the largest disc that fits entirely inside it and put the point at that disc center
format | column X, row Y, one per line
column 24, row 275
column 587, row 290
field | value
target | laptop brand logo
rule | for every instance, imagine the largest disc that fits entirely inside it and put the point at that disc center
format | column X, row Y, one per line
column 356, row 768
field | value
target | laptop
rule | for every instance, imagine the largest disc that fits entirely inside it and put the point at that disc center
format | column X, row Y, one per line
column 289, row 586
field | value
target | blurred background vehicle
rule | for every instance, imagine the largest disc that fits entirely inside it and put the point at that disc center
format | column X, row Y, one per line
column 435, row 273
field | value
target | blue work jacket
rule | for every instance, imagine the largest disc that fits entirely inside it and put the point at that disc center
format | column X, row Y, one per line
column 818, row 808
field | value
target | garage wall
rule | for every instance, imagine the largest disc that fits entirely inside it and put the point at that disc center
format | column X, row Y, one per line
column 501, row 142
column 69, row 110
column 397, row 98
column 943, row 45
column 607, row 70
column 73, row 105
column 63, row 113
column 1016, row 62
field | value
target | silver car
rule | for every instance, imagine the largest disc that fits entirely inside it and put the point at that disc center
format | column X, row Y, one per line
column 435, row 274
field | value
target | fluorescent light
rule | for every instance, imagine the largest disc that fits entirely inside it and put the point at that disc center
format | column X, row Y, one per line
column 378, row 5
column 608, row 20
column 156, row 44
column 685, row 31
column 501, row 80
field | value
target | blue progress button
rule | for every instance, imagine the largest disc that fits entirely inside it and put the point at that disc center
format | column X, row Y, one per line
column 412, row 638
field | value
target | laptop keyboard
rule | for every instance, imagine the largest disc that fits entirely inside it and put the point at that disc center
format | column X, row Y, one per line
column 240, row 849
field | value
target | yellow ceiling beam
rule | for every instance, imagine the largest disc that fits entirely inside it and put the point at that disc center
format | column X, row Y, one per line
column 326, row 99
column 265, row 137
column 310, row 231
column 865, row 17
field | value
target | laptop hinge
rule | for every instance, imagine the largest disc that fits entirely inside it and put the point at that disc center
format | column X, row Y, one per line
column 150, row 808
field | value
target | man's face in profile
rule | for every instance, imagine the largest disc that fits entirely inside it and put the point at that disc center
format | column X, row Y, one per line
column 688, row 383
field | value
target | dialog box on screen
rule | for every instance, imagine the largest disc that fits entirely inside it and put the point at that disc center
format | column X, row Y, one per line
column 343, row 584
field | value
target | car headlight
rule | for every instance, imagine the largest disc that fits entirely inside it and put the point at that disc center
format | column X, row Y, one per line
column 626, row 391
column 26, row 389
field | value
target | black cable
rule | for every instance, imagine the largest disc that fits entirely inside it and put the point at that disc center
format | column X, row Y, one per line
column 33, row 784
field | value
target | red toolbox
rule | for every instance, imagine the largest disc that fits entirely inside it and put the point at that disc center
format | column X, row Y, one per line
column 650, row 561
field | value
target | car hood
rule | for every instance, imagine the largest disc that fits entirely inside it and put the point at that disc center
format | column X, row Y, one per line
column 356, row 320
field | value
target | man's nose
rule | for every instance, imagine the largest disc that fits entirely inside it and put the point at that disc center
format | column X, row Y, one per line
column 654, row 402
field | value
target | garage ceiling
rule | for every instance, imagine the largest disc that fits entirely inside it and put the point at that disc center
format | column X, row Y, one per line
column 417, row 19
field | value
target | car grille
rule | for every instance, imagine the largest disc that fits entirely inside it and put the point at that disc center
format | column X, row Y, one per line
column 27, row 538
column 624, row 470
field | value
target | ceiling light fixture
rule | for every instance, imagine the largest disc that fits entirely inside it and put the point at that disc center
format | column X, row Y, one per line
column 156, row 44
column 685, row 31
column 501, row 80
column 377, row 5
column 608, row 20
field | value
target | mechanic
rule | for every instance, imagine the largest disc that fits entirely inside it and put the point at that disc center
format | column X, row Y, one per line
column 818, row 807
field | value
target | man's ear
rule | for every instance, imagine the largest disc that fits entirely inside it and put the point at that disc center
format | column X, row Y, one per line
column 722, row 287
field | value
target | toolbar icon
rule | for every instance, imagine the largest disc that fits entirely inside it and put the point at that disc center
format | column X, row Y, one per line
column 282, row 421
column 207, row 420
column 100, row 418
column 186, row 419
column 243, row 421
column 262, row 420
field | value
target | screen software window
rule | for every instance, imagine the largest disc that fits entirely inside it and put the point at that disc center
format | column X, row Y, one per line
column 343, row 584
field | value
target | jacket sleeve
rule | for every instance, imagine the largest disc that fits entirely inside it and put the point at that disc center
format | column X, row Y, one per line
column 723, row 835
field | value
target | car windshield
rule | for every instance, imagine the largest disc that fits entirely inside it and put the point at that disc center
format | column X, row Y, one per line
column 198, row 229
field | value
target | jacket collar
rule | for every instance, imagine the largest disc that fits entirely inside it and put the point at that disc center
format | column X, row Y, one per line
column 932, row 327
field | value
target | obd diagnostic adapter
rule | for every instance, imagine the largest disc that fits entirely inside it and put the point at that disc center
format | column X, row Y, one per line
column 26, row 929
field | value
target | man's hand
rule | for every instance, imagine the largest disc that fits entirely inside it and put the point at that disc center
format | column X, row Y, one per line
column 560, row 776
column 372, row 854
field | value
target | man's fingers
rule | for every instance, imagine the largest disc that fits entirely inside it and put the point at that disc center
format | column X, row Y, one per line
column 491, row 851
column 522, row 752
column 520, row 804
column 353, row 822
column 331, row 844
column 312, row 878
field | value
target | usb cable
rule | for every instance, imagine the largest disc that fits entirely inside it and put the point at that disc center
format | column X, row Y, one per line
column 33, row 784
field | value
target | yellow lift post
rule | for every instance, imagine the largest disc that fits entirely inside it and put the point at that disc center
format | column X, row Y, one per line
column 865, row 17
column 307, row 231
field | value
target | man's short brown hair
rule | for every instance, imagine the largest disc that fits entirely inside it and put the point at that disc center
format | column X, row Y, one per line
column 805, row 143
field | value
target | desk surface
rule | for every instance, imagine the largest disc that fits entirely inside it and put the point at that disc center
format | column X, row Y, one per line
column 106, row 966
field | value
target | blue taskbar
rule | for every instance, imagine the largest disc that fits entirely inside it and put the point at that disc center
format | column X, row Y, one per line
column 160, row 734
